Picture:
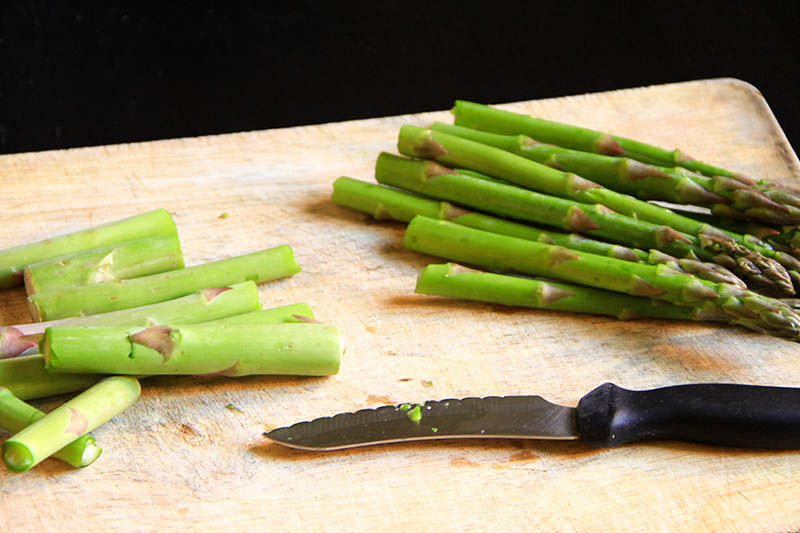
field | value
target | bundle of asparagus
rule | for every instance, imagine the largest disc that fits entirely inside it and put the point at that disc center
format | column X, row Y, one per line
column 487, row 189
column 129, row 307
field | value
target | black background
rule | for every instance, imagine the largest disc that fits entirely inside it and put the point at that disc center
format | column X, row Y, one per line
column 87, row 74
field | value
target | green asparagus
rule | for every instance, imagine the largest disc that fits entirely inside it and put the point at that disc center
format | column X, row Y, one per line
column 14, row 260
column 753, row 261
column 69, row 421
column 385, row 203
column 456, row 281
column 508, row 254
column 646, row 182
column 260, row 266
column 122, row 261
column 754, row 199
column 16, row 415
column 200, row 349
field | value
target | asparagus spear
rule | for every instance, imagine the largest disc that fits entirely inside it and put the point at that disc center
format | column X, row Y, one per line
column 508, row 254
column 432, row 179
column 121, row 261
column 641, row 180
column 69, row 421
column 456, row 281
column 386, row 203
column 13, row 260
column 753, row 259
column 762, row 206
column 260, row 266
column 27, row 378
column 16, row 415
column 227, row 350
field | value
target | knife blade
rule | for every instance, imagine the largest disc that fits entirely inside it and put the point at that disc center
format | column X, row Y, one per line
column 750, row 416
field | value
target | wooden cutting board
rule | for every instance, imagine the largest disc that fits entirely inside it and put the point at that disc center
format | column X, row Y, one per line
column 190, row 453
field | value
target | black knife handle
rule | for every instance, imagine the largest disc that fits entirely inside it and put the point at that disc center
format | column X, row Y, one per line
column 724, row 414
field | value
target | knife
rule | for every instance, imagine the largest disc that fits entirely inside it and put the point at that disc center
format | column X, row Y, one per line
column 720, row 414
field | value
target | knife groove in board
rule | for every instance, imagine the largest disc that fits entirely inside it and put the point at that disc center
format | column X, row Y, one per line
column 512, row 417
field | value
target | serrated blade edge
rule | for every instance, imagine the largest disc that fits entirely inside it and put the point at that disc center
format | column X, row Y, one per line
column 511, row 417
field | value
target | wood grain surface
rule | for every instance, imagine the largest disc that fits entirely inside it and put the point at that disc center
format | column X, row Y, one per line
column 180, row 459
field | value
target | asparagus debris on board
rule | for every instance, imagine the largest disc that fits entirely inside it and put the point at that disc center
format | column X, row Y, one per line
column 200, row 349
column 258, row 267
column 69, row 421
column 508, row 254
column 14, row 260
column 16, row 415
column 126, row 260
column 756, row 262
column 758, row 200
column 385, row 203
column 456, row 281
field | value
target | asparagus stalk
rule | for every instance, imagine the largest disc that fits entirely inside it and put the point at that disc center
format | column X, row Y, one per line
column 432, row 179
column 508, row 254
column 646, row 182
column 386, row 203
column 227, row 350
column 456, row 281
column 482, row 117
column 122, row 261
column 14, row 260
column 752, row 259
column 16, row 415
column 201, row 306
column 760, row 200
column 69, row 421
column 259, row 267
column 27, row 378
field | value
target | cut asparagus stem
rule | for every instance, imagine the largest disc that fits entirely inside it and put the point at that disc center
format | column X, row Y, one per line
column 456, row 281
column 646, row 182
column 16, row 415
column 259, row 267
column 122, row 261
column 755, row 199
column 69, row 421
column 508, row 254
column 203, row 305
column 386, row 203
column 749, row 254
column 14, row 260
column 227, row 350
column 27, row 378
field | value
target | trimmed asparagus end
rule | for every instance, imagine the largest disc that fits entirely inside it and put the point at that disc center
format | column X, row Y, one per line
column 17, row 456
column 90, row 454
